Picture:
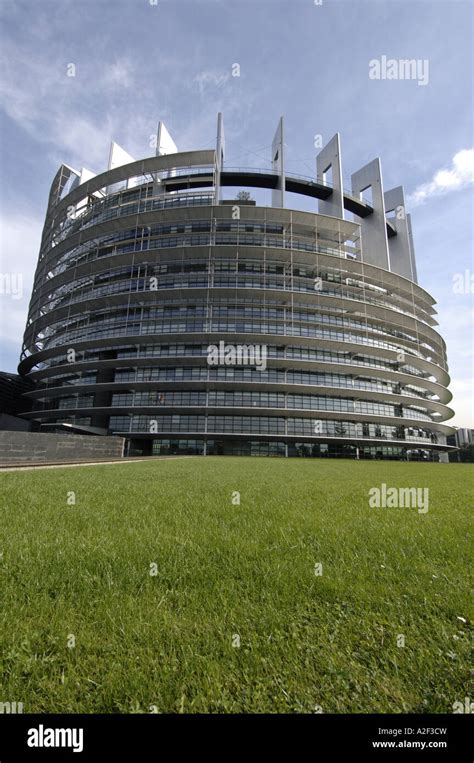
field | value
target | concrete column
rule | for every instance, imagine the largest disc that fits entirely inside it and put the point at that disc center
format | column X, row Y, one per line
column 164, row 145
column 278, row 165
column 164, row 142
column 412, row 250
column 220, row 150
column 399, row 246
column 330, row 158
column 373, row 227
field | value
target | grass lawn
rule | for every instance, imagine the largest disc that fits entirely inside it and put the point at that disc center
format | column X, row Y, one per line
column 86, row 625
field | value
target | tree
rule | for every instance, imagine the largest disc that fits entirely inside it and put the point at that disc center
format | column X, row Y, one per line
column 243, row 196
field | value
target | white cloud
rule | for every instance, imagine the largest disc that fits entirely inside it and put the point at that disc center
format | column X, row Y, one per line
column 207, row 79
column 20, row 237
column 81, row 140
column 46, row 103
column 119, row 74
column 459, row 175
column 76, row 117
column 463, row 394
column 456, row 321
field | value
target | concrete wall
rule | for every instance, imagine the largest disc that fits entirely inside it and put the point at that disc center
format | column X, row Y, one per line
column 14, row 423
column 33, row 447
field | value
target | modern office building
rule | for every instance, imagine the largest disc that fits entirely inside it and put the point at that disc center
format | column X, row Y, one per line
column 464, row 437
column 462, row 442
column 172, row 309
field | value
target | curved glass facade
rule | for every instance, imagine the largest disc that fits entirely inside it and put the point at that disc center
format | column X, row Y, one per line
column 191, row 325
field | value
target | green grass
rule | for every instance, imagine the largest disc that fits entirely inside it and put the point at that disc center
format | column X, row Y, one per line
column 225, row 569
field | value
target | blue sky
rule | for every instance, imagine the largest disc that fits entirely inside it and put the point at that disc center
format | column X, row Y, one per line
column 137, row 62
